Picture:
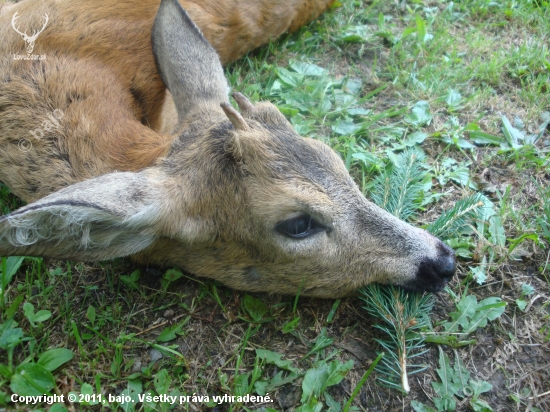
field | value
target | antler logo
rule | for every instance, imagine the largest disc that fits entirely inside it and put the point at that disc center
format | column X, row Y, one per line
column 29, row 39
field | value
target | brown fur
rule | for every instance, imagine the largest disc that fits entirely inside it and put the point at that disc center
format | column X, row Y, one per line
column 221, row 196
column 101, row 73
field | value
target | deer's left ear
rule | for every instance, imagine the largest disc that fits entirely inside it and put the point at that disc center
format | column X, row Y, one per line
column 106, row 217
column 188, row 65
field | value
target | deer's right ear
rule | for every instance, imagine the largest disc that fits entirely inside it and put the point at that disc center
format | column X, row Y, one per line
column 187, row 63
column 110, row 216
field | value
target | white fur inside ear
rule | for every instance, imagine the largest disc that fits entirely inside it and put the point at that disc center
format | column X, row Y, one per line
column 59, row 230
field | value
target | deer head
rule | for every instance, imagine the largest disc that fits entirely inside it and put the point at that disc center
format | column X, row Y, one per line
column 240, row 197
column 29, row 39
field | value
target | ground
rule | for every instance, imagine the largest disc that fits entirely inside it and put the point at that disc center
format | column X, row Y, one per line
column 354, row 79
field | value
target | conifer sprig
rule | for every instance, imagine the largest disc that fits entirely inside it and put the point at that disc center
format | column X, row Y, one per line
column 404, row 315
column 399, row 189
column 462, row 214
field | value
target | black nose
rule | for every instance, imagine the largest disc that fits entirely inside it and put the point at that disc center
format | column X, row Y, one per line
column 433, row 274
column 445, row 264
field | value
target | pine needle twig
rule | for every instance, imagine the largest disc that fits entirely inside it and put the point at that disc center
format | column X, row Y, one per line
column 462, row 214
column 404, row 315
column 398, row 190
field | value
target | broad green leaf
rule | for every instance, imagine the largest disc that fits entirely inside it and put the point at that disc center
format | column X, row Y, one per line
column 291, row 325
column 288, row 111
column 522, row 304
column 480, row 276
column 42, row 315
column 87, row 389
column 358, row 111
column 31, row 379
column 496, row 230
column 12, row 265
column 353, row 85
column 300, row 100
column 172, row 331
column 480, row 272
column 420, row 407
column 458, row 141
column 414, row 138
column 134, row 388
column 313, row 406
column 352, row 38
column 453, row 99
column 466, row 310
column 420, row 114
column 448, row 387
column 28, row 310
column 337, row 371
column 480, row 406
column 333, row 406
column 366, row 157
column 54, row 358
column 14, row 307
column 132, row 279
column 354, row 34
column 162, row 381
column 306, row 69
column 255, row 308
column 460, row 175
column 344, row 99
column 274, row 358
column 487, row 310
column 512, row 135
column 321, row 109
column 527, row 289
column 313, row 381
column 261, row 386
column 172, row 275
column 277, row 381
column 5, row 372
column 289, row 78
column 479, row 387
column 240, row 384
column 461, row 374
column 91, row 314
column 485, row 212
column 483, row 138
column 321, row 376
column 11, row 337
column 346, row 128
column 448, row 162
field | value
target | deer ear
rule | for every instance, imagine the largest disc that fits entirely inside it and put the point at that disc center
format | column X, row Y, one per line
column 103, row 218
column 187, row 63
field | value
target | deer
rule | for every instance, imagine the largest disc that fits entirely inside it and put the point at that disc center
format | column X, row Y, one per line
column 232, row 194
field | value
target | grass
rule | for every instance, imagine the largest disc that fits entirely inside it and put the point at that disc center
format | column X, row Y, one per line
column 373, row 80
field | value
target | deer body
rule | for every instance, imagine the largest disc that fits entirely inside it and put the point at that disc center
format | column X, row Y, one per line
column 238, row 197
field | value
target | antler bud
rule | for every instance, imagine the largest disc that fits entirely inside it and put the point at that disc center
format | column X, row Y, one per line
column 234, row 116
column 243, row 103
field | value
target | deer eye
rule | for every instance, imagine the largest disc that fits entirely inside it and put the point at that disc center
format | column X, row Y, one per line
column 299, row 227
